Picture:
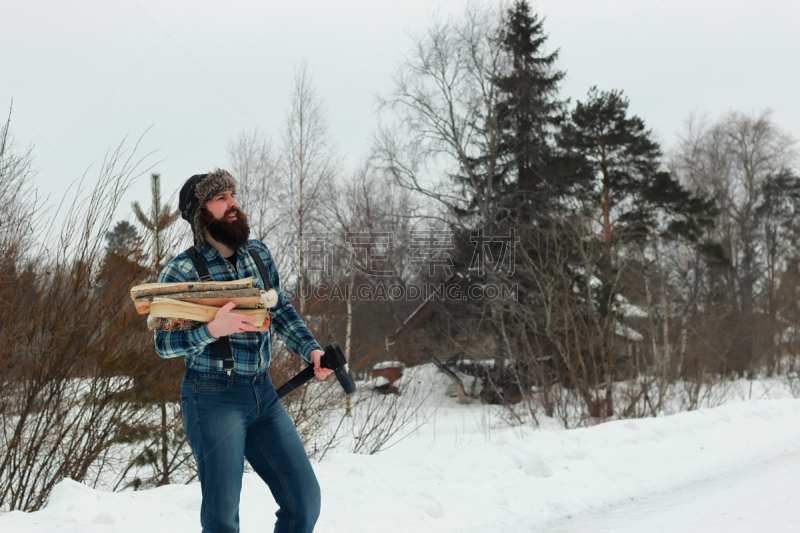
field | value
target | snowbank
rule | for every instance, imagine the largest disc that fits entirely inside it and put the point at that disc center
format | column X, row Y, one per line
column 462, row 473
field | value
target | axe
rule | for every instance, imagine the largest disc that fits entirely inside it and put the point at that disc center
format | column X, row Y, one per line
column 333, row 359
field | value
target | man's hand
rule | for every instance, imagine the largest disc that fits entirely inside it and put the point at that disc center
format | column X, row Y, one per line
column 321, row 373
column 227, row 323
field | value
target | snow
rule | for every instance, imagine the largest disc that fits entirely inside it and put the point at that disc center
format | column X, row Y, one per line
column 629, row 333
column 628, row 309
column 383, row 365
column 790, row 334
column 488, row 363
column 754, row 498
column 728, row 468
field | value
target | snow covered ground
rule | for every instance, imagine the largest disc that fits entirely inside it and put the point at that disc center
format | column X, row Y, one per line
column 731, row 468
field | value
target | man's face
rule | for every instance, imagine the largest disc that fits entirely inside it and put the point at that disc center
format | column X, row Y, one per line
column 225, row 222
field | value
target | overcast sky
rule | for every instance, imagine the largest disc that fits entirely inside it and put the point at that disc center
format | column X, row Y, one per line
column 84, row 74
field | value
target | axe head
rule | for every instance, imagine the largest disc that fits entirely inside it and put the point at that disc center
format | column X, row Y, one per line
column 334, row 359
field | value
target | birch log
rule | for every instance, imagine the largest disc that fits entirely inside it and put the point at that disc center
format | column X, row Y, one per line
column 164, row 307
column 157, row 289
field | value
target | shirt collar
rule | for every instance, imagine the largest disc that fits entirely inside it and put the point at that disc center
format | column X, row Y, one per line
column 209, row 252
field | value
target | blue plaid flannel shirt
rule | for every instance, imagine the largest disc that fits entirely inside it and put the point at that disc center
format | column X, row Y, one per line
column 250, row 349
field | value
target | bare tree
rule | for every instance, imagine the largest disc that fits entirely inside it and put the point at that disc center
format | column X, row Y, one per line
column 732, row 159
column 446, row 106
column 309, row 163
column 740, row 159
column 257, row 169
column 370, row 214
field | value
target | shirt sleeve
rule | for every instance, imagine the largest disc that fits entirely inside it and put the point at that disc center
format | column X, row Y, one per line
column 180, row 343
column 287, row 323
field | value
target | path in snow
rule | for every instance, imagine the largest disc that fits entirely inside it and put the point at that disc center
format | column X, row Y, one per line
column 760, row 497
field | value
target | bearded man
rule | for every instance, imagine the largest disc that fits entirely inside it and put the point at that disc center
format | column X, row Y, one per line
column 233, row 414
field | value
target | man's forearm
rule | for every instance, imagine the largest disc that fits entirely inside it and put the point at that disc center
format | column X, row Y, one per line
column 294, row 332
column 171, row 344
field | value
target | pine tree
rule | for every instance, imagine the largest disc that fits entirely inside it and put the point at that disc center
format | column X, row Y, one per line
column 630, row 198
column 158, row 382
column 630, row 191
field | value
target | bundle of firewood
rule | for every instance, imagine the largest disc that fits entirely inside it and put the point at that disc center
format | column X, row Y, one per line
column 181, row 306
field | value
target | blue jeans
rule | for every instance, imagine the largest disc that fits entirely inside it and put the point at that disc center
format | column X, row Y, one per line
column 228, row 418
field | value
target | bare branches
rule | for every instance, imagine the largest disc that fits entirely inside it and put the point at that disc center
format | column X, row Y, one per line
column 263, row 185
column 63, row 395
column 445, row 104
column 19, row 201
column 309, row 164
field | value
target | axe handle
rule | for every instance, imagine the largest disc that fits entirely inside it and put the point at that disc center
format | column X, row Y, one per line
column 296, row 382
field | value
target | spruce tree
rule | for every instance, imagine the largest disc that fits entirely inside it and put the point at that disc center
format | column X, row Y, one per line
column 161, row 217
column 529, row 202
column 523, row 168
column 528, row 110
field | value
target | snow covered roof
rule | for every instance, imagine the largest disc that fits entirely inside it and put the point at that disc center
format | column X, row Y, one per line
column 629, row 333
column 387, row 364
column 629, row 309
column 790, row 334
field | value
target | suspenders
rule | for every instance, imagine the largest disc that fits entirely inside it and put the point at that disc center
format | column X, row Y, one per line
column 223, row 344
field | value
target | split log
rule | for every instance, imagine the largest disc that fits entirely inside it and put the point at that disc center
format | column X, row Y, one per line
column 157, row 289
column 266, row 299
column 243, row 298
column 172, row 324
column 164, row 307
column 269, row 298
column 183, row 324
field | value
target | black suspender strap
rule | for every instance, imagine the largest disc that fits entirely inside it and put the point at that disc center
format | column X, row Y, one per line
column 222, row 344
column 260, row 264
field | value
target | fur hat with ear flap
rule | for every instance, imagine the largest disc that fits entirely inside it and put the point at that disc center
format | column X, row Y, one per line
column 196, row 192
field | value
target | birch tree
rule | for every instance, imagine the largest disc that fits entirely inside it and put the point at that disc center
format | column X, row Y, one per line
column 262, row 191
column 309, row 163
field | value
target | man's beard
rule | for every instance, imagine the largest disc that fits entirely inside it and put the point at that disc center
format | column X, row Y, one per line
column 231, row 233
